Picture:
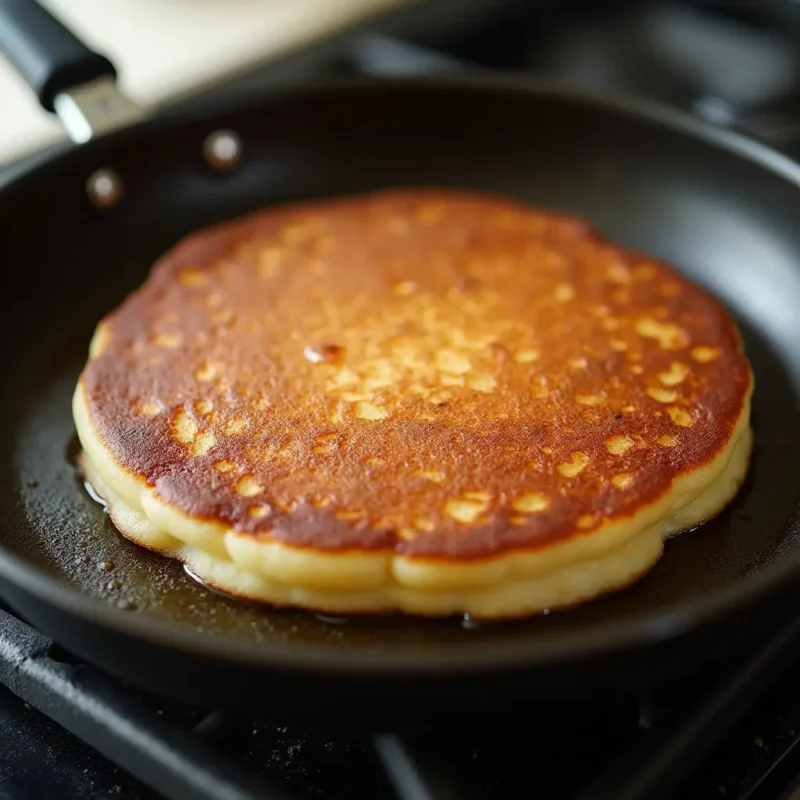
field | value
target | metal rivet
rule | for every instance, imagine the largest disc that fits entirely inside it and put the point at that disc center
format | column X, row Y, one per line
column 104, row 188
column 222, row 149
column 714, row 109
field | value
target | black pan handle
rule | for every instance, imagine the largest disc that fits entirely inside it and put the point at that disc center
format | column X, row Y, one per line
column 68, row 78
column 50, row 58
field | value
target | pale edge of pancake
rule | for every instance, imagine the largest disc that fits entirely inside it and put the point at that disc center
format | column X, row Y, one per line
column 513, row 584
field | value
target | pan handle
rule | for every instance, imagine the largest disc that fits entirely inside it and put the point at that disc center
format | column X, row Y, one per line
column 68, row 78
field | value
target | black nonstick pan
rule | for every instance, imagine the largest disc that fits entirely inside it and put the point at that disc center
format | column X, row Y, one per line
column 79, row 231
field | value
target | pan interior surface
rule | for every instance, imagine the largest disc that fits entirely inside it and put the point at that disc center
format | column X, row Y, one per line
column 724, row 219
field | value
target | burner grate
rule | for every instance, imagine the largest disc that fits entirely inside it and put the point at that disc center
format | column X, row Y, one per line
column 185, row 752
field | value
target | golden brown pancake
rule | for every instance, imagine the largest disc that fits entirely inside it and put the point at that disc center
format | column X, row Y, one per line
column 430, row 402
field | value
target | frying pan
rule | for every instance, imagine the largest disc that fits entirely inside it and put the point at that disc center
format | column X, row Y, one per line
column 718, row 206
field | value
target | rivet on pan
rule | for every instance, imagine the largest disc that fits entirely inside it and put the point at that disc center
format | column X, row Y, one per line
column 222, row 149
column 714, row 109
column 104, row 188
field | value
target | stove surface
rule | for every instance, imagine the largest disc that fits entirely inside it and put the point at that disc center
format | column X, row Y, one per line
column 39, row 759
column 721, row 735
column 732, row 62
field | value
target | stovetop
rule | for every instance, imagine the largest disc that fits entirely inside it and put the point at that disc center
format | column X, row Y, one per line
column 733, row 734
column 732, row 62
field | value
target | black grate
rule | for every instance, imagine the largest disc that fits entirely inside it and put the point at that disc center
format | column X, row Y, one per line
column 642, row 747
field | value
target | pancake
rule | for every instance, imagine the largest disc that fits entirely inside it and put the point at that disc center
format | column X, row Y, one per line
column 428, row 402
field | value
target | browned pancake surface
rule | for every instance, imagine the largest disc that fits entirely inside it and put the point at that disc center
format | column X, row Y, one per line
column 441, row 373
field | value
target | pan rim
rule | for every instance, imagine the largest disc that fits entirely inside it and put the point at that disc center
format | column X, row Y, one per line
column 447, row 658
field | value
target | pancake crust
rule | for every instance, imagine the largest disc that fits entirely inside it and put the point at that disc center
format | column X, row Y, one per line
column 426, row 401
